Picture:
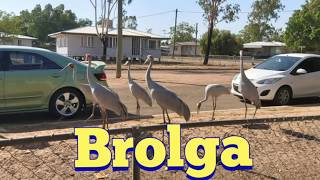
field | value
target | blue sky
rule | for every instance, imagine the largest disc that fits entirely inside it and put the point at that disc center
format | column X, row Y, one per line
column 159, row 23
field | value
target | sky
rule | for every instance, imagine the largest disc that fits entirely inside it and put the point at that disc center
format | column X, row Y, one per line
column 158, row 15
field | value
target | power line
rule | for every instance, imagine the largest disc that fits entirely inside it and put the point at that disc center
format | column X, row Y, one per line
column 241, row 12
column 156, row 14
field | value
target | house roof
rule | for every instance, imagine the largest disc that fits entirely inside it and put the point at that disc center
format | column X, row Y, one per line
column 91, row 30
column 190, row 43
column 18, row 36
column 261, row 44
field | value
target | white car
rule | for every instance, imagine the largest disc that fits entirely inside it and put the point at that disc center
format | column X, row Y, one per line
column 284, row 77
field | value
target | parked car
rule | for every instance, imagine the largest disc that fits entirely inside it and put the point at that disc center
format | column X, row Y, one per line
column 31, row 80
column 284, row 77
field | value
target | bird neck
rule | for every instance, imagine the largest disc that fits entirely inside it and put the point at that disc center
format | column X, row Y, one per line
column 148, row 75
column 129, row 73
column 89, row 75
column 241, row 68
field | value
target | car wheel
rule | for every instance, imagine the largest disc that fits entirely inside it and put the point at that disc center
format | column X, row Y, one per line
column 283, row 96
column 66, row 103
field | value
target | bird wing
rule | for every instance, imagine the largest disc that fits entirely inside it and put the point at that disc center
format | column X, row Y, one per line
column 140, row 93
column 169, row 100
column 249, row 91
column 108, row 99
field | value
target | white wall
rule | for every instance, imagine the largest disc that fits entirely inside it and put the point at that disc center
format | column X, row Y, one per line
column 72, row 46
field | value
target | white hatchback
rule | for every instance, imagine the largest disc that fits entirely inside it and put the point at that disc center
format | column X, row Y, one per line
column 284, row 77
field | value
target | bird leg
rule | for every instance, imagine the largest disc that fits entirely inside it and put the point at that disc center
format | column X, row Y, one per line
column 104, row 115
column 164, row 122
column 245, row 104
column 168, row 117
column 214, row 107
column 255, row 112
column 138, row 109
column 92, row 113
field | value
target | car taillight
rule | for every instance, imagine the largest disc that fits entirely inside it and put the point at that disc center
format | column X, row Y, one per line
column 101, row 76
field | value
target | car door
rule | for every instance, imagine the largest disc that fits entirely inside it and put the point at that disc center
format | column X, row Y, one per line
column 304, row 85
column 30, row 78
column 2, row 102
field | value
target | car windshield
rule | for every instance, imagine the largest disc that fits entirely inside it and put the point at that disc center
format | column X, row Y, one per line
column 278, row 63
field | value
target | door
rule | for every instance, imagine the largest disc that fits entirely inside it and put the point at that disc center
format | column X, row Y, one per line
column 30, row 79
column 305, row 85
column 1, row 81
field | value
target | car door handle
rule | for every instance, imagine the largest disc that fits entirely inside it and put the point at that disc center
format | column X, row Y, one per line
column 56, row 75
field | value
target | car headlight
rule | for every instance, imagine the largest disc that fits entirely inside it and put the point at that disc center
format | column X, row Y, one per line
column 236, row 77
column 269, row 81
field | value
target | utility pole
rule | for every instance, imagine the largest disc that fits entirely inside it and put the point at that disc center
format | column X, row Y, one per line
column 120, row 40
column 195, row 52
column 175, row 32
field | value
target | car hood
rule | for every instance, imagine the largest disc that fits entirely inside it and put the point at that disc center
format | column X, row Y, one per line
column 259, row 74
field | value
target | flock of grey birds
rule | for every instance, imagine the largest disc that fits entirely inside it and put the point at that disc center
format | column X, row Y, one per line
column 108, row 100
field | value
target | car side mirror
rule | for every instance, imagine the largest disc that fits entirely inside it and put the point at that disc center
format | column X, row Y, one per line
column 301, row 71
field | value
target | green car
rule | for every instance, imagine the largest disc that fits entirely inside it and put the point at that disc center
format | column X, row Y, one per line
column 34, row 79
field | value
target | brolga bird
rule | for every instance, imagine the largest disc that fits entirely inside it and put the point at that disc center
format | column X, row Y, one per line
column 248, row 90
column 213, row 91
column 165, row 98
column 138, row 91
column 85, row 88
column 106, row 98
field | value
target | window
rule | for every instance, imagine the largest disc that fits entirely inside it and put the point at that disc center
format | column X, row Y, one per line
column 1, row 61
column 310, row 65
column 152, row 44
column 112, row 42
column 30, row 61
column 83, row 41
column 19, row 42
column 90, row 41
column 278, row 63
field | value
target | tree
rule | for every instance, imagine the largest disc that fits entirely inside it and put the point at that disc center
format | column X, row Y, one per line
column 216, row 11
column 84, row 22
column 223, row 43
column 130, row 22
column 184, row 32
column 41, row 22
column 303, row 28
column 8, row 26
column 259, row 27
column 104, row 9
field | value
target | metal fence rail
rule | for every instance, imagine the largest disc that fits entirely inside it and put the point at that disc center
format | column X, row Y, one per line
column 281, row 148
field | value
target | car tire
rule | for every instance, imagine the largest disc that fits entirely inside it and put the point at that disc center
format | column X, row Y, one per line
column 66, row 103
column 283, row 96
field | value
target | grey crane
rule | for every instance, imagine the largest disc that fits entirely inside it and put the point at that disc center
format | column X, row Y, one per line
column 85, row 88
column 248, row 90
column 106, row 98
column 213, row 91
column 138, row 91
column 165, row 98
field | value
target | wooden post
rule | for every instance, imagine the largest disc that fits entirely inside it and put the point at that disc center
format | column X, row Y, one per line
column 135, row 168
column 175, row 32
column 120, row 40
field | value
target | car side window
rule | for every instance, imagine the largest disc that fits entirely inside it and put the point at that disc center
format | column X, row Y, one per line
column 310, row 65
column 1, row 61
column 29, row 61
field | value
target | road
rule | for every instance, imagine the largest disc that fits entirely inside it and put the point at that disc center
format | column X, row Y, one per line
column 188, row 84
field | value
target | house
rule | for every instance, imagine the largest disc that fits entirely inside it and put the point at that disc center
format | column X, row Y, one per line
column 186, row 49
column 17, row 40
column 263, row 49
column 136, row 44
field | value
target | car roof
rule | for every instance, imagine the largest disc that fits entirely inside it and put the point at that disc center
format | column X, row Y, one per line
column 25, row 48
column 300, row 55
